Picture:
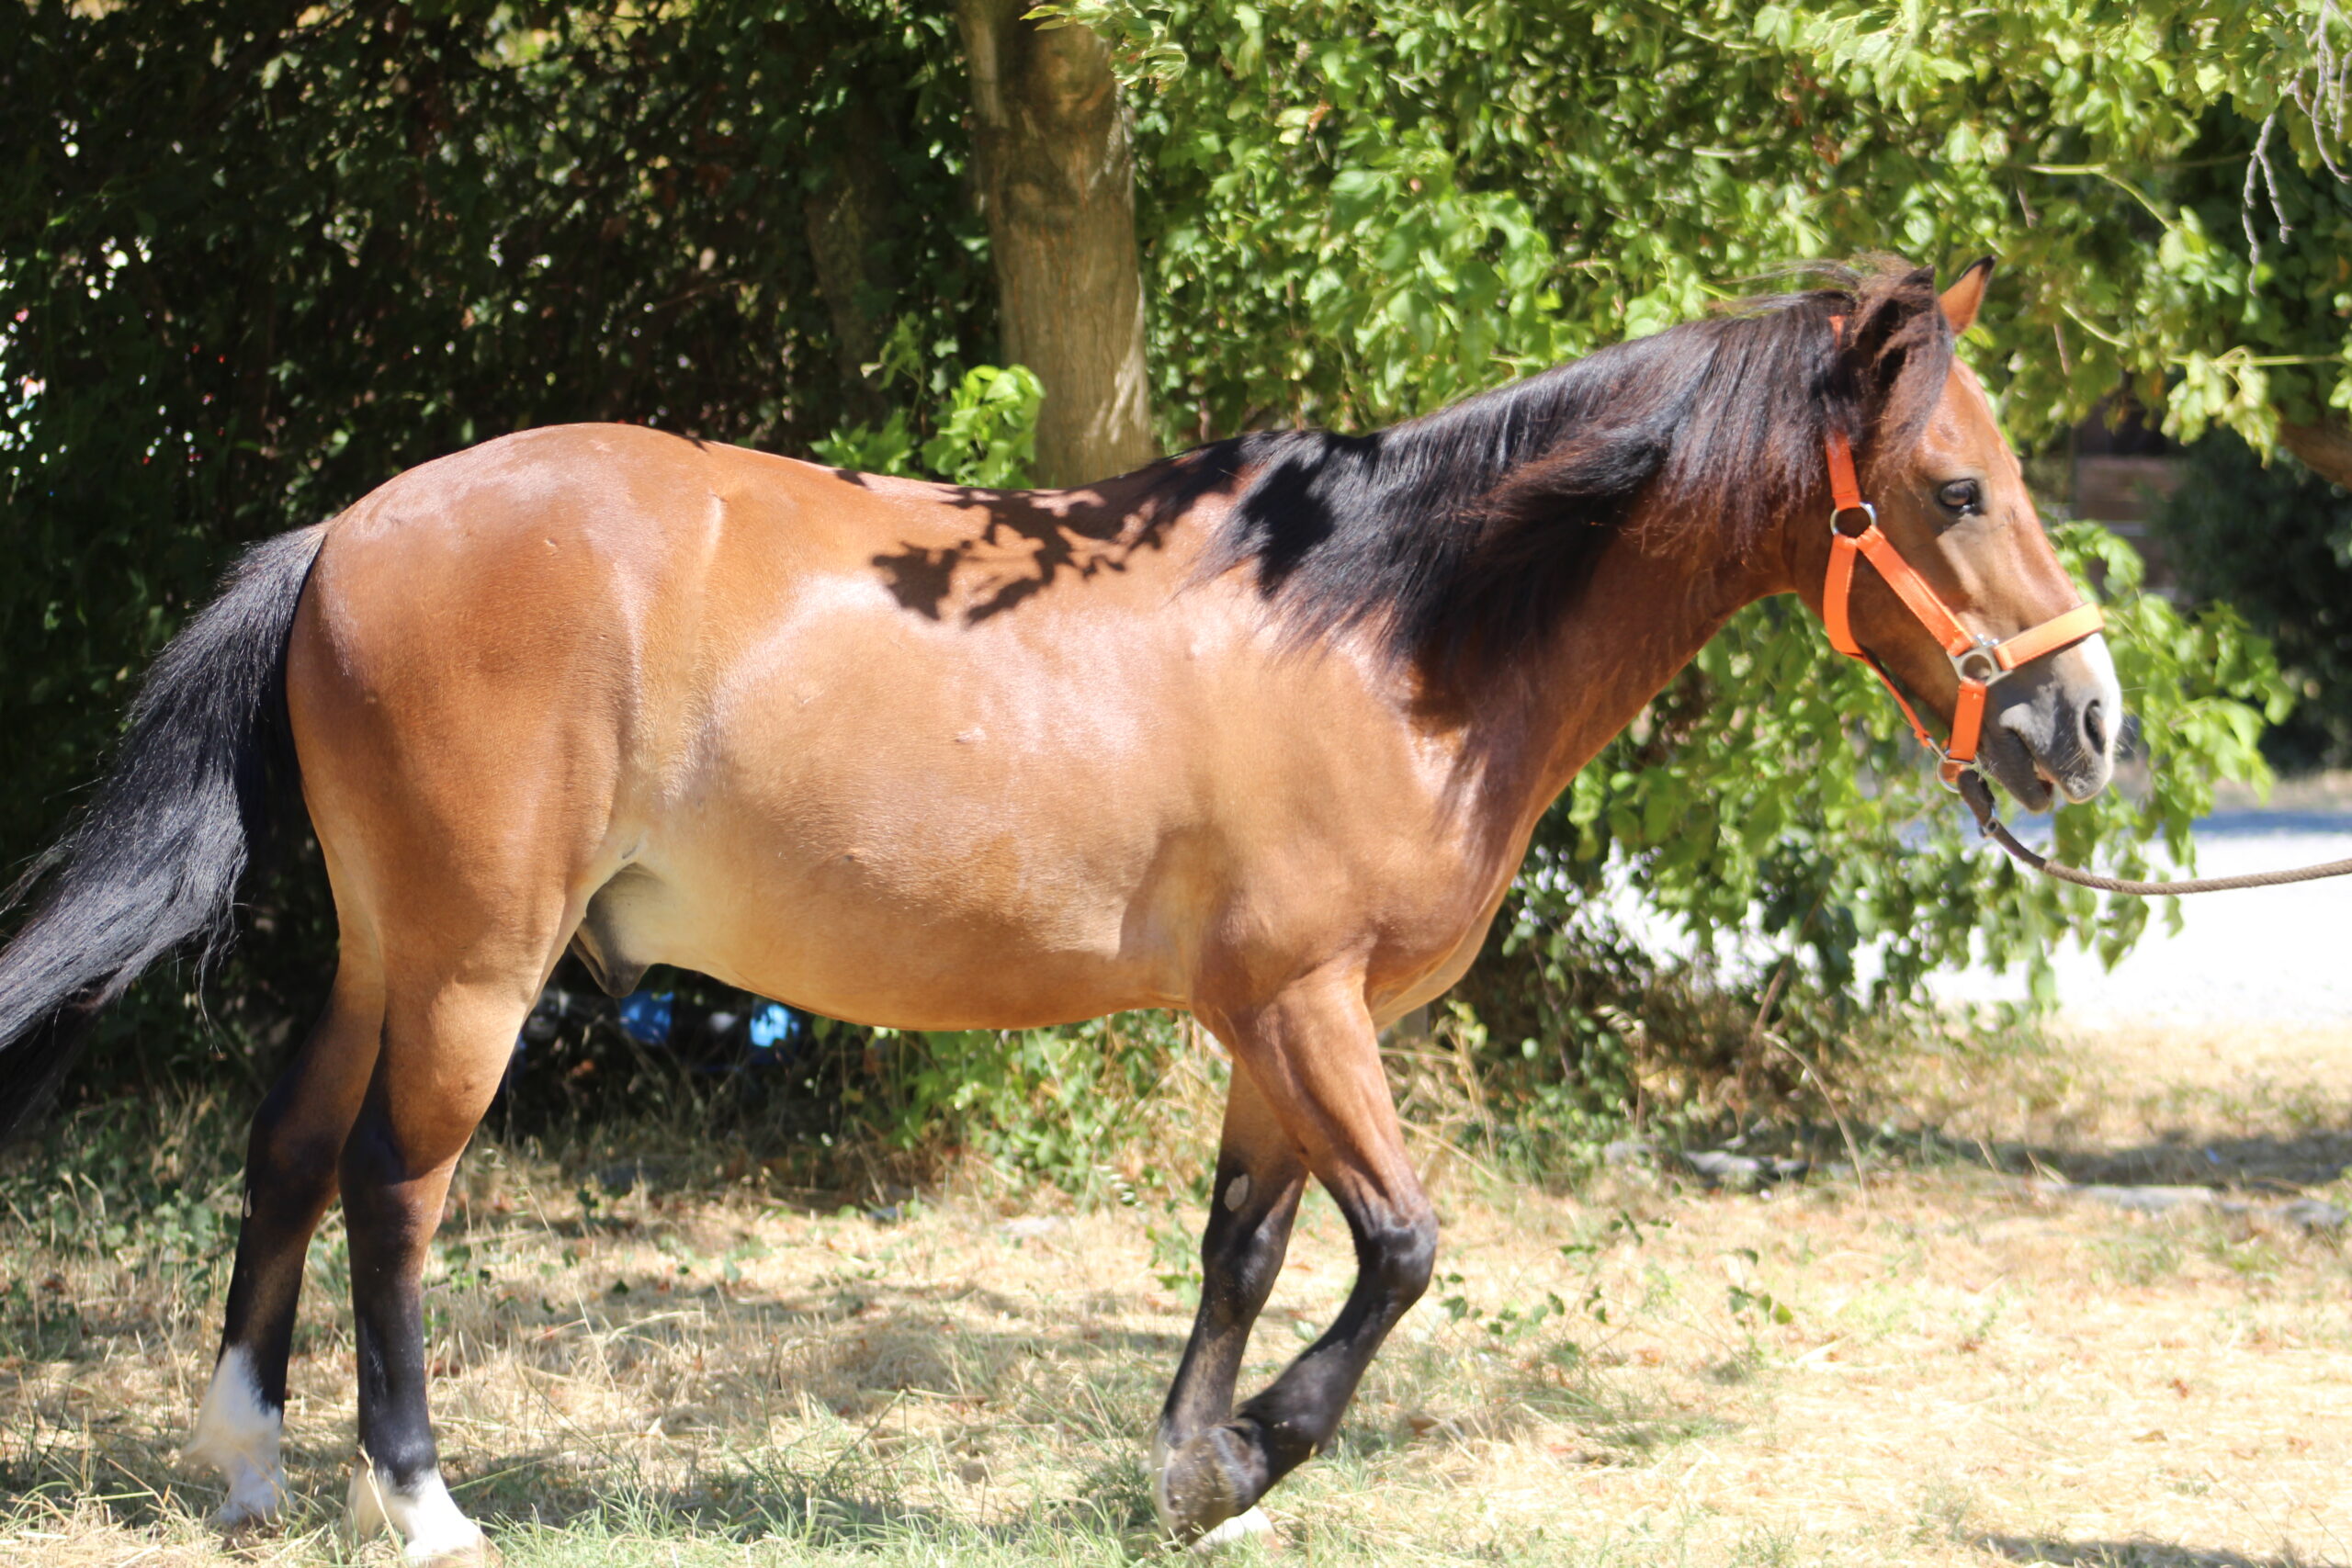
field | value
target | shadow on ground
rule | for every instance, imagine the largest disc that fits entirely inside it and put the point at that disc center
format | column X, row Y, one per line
column 2282, row 1162
column 2278, row 1160
column 2123, row 1555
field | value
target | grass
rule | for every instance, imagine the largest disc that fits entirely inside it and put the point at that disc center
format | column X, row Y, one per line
column 1938, row 1365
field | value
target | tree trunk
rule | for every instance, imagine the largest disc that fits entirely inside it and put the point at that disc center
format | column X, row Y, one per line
column 848, row 219
column 2325, row 448
column 1057, row 180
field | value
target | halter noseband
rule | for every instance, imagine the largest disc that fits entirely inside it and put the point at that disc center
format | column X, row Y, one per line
column 1978, row 661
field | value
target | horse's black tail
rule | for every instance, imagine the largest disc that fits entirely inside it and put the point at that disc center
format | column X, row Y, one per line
column 155, row 859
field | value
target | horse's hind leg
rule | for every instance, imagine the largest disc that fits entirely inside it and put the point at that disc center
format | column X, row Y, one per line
column 1313, row 1056
column 290, row 1160
column 448, row 1033
column 1260, row 1176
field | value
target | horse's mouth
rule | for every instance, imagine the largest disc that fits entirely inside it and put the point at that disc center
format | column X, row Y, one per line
column 2041, row 792
column 2074, row 792
column 2014, row 766
column 2034, row 799
column 2036, row 775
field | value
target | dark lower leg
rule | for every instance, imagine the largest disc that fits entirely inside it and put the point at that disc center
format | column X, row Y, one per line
column 1258, row 1179
column 392, row 1210
column 442, row 1060
column 1226, row 1467
column 1300, row 1411
column 290, row 1162
column 1316, row 1065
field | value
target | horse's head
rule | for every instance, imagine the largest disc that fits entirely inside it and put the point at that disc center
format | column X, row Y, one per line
column 1950, row 498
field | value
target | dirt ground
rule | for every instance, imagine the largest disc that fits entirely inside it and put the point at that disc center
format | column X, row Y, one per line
column 1953, row 1357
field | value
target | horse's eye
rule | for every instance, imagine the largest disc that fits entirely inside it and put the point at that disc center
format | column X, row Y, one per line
column 1962, row 497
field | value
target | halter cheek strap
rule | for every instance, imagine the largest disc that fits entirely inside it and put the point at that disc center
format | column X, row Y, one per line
column 1977, row 660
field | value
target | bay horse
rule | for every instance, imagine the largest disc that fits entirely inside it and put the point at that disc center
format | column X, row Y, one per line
column 1259, row 732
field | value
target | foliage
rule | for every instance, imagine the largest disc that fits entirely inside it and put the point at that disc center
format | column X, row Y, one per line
column 1062, row 1104
column 1360, row 208
column 151, row 1187
column 259, row 258
column 2276, row 542
column 985, row 432
column 1358, row 211
column 255, row 258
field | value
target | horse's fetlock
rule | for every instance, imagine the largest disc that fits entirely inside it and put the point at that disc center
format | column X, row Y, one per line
column 1402, row 1257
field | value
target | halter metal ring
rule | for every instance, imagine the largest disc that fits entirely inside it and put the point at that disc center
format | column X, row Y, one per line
column 1868, row 515
column 1981, row 663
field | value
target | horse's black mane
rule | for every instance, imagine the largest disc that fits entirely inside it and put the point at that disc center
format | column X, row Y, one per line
column 1464, row 534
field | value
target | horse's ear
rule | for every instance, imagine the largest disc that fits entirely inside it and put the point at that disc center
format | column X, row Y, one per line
column 1906, row 348
column 1961, row 302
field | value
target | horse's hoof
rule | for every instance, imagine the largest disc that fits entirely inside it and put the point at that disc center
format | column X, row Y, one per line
column 433, row 1533
column 1203, row 1487
column 1242, row 1527
column 237, row 1523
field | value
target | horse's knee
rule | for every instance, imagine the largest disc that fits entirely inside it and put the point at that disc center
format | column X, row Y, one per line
column 296, row 1138
column 374, row 1168
column 431, row 1087
column 1409, row 1260
column 1242, row 1248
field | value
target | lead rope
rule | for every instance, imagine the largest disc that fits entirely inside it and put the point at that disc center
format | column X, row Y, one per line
column 1979, row 796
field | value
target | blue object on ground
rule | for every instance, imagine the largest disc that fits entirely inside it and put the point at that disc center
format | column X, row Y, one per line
column 645, row 1016
column 772, row 1025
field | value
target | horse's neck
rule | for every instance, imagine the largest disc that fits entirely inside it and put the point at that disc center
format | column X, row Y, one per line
column 1641, row 618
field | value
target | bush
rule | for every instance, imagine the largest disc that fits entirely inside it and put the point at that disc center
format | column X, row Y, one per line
column 2275, row 541
column 255, row 259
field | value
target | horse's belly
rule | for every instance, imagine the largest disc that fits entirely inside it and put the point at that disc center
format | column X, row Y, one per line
column 932, row 930
column 927, row 828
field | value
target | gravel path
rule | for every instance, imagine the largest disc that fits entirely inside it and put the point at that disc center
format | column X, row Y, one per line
column 2265, row 955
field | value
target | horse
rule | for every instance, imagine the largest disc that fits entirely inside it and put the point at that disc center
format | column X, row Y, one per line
column 1259, row 732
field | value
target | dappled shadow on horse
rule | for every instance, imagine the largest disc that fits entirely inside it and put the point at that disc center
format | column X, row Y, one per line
column 1259, row 732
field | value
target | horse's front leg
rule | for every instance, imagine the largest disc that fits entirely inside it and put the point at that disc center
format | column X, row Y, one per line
column 1259, row 1175
column 1312, row 1058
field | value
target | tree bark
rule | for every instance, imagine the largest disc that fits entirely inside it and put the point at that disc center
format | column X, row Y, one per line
column 2325, row 448
column 848, row 219
column 1056, row 167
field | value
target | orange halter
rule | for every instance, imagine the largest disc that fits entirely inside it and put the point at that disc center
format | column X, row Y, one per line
column 1978, row 661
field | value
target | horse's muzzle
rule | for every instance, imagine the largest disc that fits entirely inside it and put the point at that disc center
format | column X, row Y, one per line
column 2053, row 726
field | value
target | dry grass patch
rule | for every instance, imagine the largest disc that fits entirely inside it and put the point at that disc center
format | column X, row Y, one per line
column 1939, row 1368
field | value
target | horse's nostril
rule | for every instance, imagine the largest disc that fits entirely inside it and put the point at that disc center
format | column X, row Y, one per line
column 2095, row 728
